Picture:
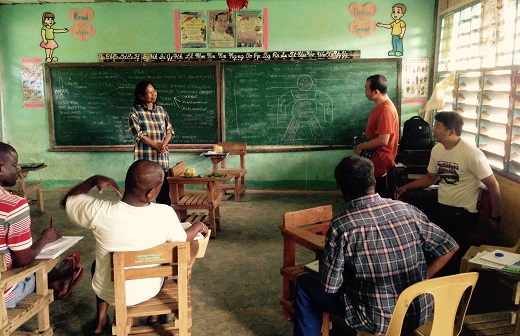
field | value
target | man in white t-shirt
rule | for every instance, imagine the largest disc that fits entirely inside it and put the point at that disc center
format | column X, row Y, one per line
column 130, row 224
column 462, row 169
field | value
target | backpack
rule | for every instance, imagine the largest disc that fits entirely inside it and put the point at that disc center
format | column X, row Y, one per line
column 416, row 135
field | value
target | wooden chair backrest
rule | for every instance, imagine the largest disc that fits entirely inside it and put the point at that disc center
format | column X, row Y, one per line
column 234, row 148
column 318, row 218
column 165, row 260
column 177, row 190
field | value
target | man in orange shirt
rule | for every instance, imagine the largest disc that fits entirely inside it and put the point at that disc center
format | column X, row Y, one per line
column 383, row 131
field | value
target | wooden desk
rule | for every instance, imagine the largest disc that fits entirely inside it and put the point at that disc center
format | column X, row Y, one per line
column 311, row 237
column 216, row 158
column 22, row 188
column 208, row 200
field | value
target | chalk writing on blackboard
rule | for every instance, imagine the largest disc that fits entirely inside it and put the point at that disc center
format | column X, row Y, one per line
column 300, row 104
column 91, row 102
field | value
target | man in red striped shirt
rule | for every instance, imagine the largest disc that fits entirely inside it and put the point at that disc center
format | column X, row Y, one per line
column 16, row 240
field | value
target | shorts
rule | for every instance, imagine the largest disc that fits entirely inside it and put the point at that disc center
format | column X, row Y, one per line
column 21, row 290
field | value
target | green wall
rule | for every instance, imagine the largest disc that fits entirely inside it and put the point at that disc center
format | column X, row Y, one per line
column 148, row 27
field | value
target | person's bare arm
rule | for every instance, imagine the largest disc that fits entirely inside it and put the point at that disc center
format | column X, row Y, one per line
column 423, row 182
column 380, row 141
column 494, row 194
column 436, row 264
column 197, row 227
column 25, row 257
column 84, row 187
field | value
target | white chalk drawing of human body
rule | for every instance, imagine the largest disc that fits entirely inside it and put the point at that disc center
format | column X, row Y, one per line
column 304, row 106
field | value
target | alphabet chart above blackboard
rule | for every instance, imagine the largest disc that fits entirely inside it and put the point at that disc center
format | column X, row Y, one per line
column 302, row 104
column 90, row 103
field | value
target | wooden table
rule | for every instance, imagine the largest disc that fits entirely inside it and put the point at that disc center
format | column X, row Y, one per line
column 23, row 188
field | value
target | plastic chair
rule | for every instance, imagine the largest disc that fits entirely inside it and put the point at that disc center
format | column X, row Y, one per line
column 35, row 304
column 451, row 295
column 174, row 297
column 239, row 186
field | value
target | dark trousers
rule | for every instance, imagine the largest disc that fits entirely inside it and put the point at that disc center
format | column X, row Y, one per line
column 311, row 301
column 385, row 185
column 164, row 194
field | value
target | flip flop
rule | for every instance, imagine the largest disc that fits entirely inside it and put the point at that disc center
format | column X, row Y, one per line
column 74, row 258
column 76, row 277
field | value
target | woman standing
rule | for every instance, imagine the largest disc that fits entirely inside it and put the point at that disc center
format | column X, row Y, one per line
column 151, row 129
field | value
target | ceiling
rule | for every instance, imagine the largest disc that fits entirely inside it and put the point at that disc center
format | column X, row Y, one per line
column 13, row 2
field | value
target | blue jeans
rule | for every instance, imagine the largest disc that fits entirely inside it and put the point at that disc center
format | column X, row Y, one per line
column 397, row 44
column 21, row 290
column 311, row 301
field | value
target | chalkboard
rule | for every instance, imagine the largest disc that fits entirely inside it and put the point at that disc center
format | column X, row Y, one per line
column 302, row 104
column 90, row 103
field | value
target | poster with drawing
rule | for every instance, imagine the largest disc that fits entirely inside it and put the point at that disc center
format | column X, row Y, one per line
column 222, row 34
column 416, row 79
column 193, row 29
column 250, row 29
column 32, row 83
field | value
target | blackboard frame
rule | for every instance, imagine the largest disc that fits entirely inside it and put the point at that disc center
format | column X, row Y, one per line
column 292, row 148
column 220, row 67
column 54, row 147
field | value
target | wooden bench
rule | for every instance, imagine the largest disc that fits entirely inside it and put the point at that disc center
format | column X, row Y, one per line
column 23, row 189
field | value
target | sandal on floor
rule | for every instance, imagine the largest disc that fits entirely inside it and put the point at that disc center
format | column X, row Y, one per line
column 74, row 258
column 76, row 277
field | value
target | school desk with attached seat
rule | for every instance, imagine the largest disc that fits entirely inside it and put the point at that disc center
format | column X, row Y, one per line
column 23, row 188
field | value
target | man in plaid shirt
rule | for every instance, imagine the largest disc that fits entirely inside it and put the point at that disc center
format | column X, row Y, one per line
column 374, row 250
column 152, row 131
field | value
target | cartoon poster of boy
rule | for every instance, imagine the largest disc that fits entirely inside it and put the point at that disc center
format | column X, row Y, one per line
column 398, row 28
column 48, row 42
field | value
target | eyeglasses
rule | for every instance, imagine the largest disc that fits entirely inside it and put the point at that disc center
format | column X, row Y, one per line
column 150, row 93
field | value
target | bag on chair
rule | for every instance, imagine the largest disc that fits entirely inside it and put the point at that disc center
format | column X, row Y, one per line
column 416, row 135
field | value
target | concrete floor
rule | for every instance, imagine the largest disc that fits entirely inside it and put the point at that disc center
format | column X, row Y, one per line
column 235, row 287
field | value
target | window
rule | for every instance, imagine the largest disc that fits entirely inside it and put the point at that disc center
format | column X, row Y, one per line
column 480, row 43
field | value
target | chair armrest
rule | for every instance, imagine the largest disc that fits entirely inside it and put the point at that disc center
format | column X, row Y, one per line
column 15, row 275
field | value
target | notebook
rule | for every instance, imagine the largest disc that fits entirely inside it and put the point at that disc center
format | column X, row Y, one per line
column 313, row 266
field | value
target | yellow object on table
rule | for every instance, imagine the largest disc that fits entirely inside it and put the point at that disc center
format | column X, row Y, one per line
column 217, row 149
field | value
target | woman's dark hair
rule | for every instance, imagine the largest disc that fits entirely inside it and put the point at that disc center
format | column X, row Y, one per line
column 140, row 90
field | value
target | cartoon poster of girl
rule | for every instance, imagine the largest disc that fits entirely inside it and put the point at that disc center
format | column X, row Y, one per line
column 48, row 43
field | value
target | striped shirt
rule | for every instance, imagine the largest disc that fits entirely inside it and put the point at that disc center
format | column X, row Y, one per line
column 155, row 124
column 376, row 249
column 15, row 228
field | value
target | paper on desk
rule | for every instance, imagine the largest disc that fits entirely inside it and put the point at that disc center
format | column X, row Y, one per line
column 186, row 225
column 501, row 257
column 54, row 249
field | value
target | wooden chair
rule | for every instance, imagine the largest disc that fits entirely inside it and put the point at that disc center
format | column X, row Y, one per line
column 208, row 199
column 166, row 260
column 239, row 183
column 23, row 189
column 451, row 295
column 315, row 220
column 35, row 304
